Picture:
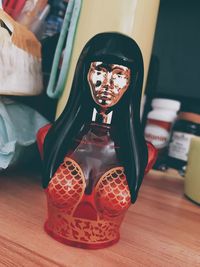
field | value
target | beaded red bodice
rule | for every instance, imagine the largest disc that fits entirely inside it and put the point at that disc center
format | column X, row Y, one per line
column 87, row 202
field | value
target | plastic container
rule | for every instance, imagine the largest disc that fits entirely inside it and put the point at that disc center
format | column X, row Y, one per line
column 186, row 127
column 159, row 124
column 160, row 120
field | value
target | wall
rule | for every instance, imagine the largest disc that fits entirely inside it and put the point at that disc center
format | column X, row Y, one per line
column 175, row 67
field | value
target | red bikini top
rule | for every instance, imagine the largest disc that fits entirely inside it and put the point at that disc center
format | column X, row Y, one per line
column 110, row 197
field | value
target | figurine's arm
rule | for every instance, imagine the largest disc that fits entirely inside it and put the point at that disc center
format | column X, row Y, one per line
column 41, row 134
column 152, row 156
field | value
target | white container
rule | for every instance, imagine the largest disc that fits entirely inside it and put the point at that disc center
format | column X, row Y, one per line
column 160, row 121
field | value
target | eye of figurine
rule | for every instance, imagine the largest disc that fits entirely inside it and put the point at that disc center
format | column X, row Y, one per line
column 108, row 82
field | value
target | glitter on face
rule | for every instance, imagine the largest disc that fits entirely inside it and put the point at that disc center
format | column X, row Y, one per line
column 108, row 82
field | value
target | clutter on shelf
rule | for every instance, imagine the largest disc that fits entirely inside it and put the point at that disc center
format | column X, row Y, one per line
column 42, row 17
column 20, row 59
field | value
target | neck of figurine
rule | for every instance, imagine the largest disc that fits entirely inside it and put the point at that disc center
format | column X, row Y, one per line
column 101, row 117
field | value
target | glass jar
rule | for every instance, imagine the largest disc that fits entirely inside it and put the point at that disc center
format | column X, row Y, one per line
column 186, row 127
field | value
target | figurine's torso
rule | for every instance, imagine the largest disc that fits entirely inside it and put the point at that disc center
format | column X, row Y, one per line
column 88, row 195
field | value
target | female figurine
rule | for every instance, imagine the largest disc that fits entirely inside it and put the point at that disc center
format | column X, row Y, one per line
column 95, row 155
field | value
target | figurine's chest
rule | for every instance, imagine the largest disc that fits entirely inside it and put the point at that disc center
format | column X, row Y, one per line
column 110, row 196
column 94, row 156
column 91, row 183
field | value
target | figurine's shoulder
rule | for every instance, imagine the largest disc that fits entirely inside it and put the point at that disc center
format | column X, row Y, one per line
column 41, row 134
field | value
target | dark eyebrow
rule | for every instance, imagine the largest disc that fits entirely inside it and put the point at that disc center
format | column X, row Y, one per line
column 120, row 70
column 117, row 67
column 105, row 66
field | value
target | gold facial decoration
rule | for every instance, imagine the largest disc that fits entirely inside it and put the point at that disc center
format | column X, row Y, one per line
column 108, row 82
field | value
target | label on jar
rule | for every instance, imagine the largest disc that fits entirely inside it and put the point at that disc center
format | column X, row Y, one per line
column 180, row 145
column 156, row 135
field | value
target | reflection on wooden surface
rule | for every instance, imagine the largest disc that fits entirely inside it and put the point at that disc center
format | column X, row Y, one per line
column 161, row 229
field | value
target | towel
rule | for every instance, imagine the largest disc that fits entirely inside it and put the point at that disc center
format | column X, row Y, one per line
column 19, row 125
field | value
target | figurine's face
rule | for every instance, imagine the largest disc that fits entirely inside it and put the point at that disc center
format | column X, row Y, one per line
column 108, row 82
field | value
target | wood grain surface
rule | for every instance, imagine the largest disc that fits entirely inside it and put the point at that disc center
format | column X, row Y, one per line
column 162, row 229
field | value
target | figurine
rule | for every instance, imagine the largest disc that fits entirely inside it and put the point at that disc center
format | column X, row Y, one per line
column 95, row 155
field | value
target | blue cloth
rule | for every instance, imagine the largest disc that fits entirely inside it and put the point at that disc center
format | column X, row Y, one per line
column 18, row 128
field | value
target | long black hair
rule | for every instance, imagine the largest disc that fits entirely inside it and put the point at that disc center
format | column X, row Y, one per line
column 112, row 48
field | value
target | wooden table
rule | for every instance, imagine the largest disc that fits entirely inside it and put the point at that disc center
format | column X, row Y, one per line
column 161, row 229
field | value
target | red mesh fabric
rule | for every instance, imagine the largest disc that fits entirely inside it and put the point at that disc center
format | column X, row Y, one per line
column 88, row 221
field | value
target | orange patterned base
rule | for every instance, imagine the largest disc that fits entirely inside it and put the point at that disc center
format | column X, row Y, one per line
column 81, row 232
column 79, row 244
